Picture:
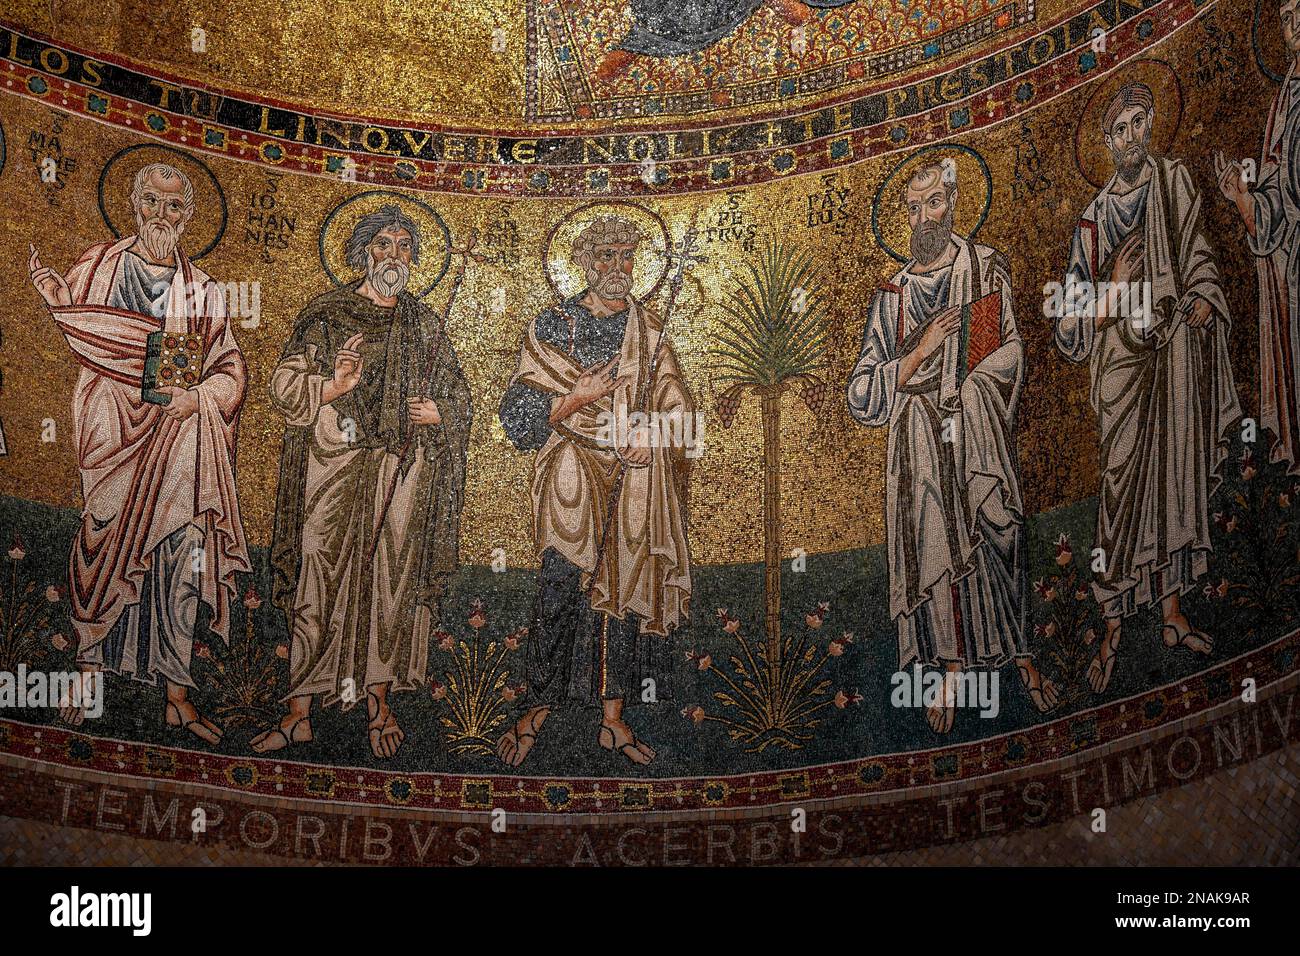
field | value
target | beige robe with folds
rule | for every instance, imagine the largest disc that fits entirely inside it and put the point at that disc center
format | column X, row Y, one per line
column 646, row 566
column 954, row 517
column 1163, row 392
column 358, row 621
column 143, row 475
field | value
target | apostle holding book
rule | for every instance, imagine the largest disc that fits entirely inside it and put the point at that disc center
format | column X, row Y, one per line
column 160, row 530
column 942, row 367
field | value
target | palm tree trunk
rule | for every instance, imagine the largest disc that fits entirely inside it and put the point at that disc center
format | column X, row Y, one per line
column 771, row 399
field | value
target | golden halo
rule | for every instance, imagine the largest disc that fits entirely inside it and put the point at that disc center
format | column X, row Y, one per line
column 974, row 196
column 1091, row 154
column 1271, row 56
column 435, row 239
column 116, row 180
column 651, row 264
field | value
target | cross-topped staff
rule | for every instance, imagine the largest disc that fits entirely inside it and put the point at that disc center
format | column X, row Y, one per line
column 685, row 255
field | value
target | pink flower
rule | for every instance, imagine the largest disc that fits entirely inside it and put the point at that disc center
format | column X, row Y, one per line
column 729, row 624
column 814, row 620
column 282, row 651
column 694, row 713
column 52, row 594
column 1064, row 553
column 437, row 689
column 1049, row 629
column 1081, row 593
column 445, row 641
column 1284, row 499
column 1248, row 470
column 252, row 600
column 17, row 552
column 839, row 645
column 202, row 650
column 843, row 700
column 1090, row 636
column 702, row 661
column 509, row 693
column 512, row 640
column 478, row 614
column 60, row 642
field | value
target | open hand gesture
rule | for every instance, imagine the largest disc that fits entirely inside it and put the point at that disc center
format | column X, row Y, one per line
column 1128, row 263
column 52, row 286
column 597, row 382
column 347, row 370
column 1229, row 174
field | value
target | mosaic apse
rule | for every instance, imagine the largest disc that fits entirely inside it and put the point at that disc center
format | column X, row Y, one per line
column 609, row 416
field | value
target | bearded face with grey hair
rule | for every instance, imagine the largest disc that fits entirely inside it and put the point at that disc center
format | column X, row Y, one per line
column 385, row 244
column 162, row 198
column 606, row 251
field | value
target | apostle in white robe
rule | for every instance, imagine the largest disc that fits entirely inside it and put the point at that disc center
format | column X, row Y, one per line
column 1150, row 317
column 160, row 530
column 1271, row 213
column 942, row 366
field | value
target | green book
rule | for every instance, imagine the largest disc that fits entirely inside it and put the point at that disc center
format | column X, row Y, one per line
column 170, row 358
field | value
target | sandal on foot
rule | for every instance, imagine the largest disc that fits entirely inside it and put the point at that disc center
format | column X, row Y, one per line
column 1038, row 693
column 1099, row 673
column 287, row 738
column 200, row 726
column 516, row 738
column 633, row 744
column 1188, row 639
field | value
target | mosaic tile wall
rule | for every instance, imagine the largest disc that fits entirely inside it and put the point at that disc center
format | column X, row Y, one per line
column 642, row 426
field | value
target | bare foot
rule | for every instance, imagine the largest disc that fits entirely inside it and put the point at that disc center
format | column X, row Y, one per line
column 1041, row 690
column 615, row 735
column 515, row 743
column 1178, row 630
column 291, row 730
column 73, row 711
column 941, row 717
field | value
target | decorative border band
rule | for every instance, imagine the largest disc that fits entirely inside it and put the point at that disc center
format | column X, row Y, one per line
column 870, row 776
column 971, row 96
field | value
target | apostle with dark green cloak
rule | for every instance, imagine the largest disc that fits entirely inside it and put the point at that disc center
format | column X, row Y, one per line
column 372, row 478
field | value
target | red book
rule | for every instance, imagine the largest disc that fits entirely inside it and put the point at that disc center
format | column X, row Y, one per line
column 981, row 332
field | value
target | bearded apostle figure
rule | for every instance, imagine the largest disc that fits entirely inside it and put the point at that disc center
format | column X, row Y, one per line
column 615, row 576
column 1150, row 317
column 372, row 478
column 1271, row 214
column 160, row 530
column 942, row 366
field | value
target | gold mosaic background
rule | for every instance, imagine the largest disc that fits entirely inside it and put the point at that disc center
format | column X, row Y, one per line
column 832, row 468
